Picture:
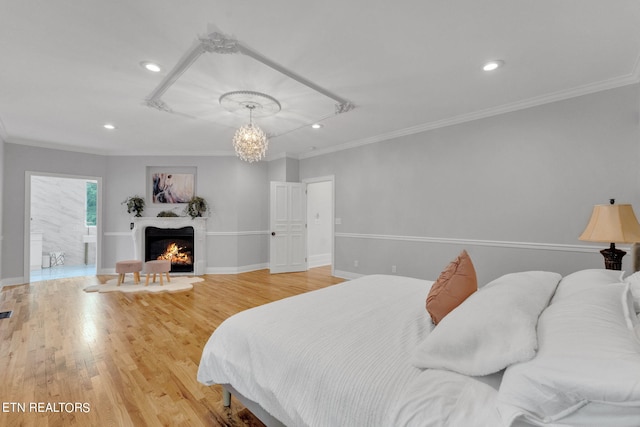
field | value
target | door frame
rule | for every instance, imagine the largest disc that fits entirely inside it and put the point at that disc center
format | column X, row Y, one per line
column 27, row 217
column 332, row 219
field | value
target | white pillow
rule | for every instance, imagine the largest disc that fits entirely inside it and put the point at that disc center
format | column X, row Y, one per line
column 493, row 328
column 587, row 279
column 634, row 282
column 627, row 308
column 586, row 354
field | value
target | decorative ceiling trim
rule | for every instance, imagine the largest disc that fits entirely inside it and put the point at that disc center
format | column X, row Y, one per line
column 219, row 43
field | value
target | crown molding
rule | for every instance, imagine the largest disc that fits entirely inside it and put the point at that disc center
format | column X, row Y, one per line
column 631, row 78
column 173, row 153
column 282, row 155
column 125, row 152
column 138, row 153
column 56, row 146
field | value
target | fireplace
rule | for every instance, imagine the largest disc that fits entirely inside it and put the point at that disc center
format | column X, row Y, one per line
column 172, row 226
column 172, row 244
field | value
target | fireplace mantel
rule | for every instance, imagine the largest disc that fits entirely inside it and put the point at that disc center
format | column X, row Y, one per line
column 199, row 227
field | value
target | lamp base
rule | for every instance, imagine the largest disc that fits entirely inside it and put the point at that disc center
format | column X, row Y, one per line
column 613, row 257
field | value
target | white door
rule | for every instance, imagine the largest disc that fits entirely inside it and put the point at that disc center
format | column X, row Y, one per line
column 288, row 248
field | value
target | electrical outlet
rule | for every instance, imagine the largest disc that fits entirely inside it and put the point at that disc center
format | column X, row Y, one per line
column 393, row 269
column 356, row 263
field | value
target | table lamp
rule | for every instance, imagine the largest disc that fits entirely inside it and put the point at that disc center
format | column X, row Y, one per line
column 612, row 224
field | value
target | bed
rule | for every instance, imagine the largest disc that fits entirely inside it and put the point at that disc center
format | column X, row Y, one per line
column 529, row 348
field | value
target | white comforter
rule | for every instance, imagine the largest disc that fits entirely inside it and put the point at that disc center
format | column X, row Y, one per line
column 340, row 356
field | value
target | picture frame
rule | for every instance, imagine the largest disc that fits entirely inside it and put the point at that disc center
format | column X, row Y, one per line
column 170, row 185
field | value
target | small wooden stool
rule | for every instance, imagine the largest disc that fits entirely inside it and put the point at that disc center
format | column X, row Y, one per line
column 157, row 266
column 130, row 266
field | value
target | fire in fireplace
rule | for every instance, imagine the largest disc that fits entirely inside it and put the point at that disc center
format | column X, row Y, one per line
column 173, row 244
column 177, row 254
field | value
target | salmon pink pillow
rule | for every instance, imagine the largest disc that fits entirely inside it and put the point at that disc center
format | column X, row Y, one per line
column 454, row 285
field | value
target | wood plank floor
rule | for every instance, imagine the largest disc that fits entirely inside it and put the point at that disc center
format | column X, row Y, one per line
column 71, row 358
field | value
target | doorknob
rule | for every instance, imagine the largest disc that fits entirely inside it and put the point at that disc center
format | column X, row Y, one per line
column 273, row 233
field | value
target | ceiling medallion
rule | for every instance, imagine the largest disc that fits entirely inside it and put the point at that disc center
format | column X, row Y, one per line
column 237, row 102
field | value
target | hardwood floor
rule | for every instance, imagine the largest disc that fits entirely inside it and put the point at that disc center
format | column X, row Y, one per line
column 71, row 358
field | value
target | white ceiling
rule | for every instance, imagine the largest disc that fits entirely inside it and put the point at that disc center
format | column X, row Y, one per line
column 67, row 67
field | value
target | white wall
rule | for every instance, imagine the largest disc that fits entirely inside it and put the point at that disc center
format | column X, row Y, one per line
column 515, row 190
column 319, row 217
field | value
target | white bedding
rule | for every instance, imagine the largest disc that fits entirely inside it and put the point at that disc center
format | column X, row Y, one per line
column 336, row 372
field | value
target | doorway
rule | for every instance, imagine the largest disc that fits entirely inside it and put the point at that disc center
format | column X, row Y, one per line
column 294, row 247
column 320, row 221
column 62, row 224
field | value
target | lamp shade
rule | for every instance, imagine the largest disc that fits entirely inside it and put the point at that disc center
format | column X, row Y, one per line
column 612, row 224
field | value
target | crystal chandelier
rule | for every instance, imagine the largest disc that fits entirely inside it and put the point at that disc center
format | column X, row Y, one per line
column 250, row 142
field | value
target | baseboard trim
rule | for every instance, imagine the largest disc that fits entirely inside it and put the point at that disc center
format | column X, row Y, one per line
column 236, row 270
column 319, row 260
column 12, row 281
column 348, row 275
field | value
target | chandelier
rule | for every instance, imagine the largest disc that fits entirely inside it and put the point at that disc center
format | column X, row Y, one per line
column 250, row 142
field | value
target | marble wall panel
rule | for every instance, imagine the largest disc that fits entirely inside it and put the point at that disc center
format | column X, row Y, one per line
column 58, row 212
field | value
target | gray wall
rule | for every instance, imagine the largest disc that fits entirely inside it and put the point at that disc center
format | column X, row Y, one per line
column 238, row 192
column 284, row 169
column 516, row 189
column 18, row 159
column 1, row 201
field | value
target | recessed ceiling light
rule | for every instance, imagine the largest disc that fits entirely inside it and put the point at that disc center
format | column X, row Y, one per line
column 317, row 125
column 151, row 66
column 109, row 126
column 493, row 65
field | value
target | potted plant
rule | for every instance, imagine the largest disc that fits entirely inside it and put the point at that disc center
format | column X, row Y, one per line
column 135, row 204
column 196, row 207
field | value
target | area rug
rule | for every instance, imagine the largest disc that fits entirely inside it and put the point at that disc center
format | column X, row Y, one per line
column 177, row 284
